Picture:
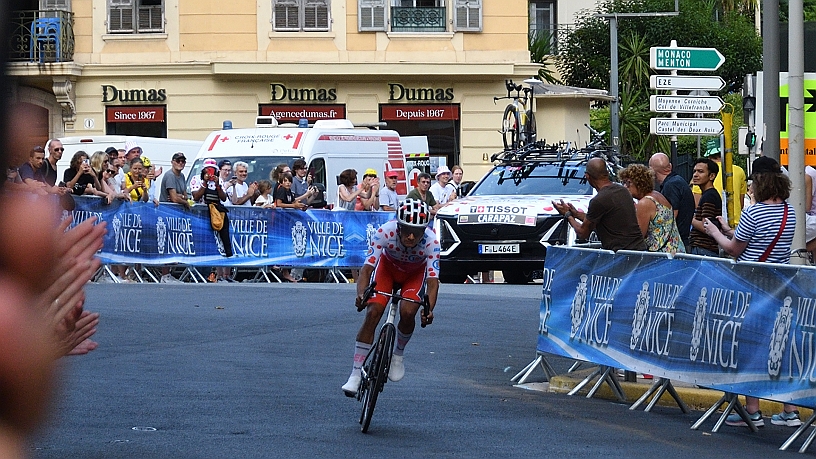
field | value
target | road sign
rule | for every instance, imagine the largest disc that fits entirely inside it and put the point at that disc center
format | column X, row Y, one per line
column 685, row 126
column 685, row 104
column 669, row 58
column 671, row 82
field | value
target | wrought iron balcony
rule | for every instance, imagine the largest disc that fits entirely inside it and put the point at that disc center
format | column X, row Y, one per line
column 417, row 19
column 42, row 36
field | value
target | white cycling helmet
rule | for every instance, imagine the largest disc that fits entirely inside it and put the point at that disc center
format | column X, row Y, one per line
column 413, row 213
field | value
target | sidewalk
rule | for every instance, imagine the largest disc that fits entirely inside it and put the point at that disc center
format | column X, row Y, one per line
column 696, row 398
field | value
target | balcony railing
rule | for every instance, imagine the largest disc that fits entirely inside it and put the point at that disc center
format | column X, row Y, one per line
column 417, row 19
column 42, row 36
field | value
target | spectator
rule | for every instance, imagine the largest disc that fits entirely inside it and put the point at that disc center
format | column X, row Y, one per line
column 611, row 213
column 369, row 197
column 422, row 193
column 276, row 173
column 208, row 191
column 132, row 150
column 348, row 190
column 764, row 234
column 740, row 183
column 99, row 164
column 55, row 151
column 174, row 189
column 284, row 197
column 443, row 191
column 654, row 212
column 115, row 162
column 301, row 181
column 153, row 191
column 456, row 181
column 225, row 176
column 80, row 177
column 123, row 165
column 265, row 198
column 810, row 215
column 676, row 191
column 31, row 172
column 97, row 160
column 136, row 183
column 709, row 206
column 239, row 193
column 388, row 193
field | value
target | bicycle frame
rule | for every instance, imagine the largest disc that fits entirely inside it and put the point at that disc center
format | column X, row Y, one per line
column 518, row 123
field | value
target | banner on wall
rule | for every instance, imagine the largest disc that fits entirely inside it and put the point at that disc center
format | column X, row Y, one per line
column 149, row 234
column 745, row 328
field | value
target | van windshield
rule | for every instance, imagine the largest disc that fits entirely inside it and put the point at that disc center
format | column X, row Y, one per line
column 258, row 167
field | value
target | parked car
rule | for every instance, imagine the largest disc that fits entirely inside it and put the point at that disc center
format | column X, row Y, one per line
column 507, row 221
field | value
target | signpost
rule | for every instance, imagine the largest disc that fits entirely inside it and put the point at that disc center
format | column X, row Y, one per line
column 686, row 82
column 686, row 126
column 677, row 58
column 685, row 104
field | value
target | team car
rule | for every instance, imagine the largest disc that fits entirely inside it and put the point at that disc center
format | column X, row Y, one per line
column 507, row 220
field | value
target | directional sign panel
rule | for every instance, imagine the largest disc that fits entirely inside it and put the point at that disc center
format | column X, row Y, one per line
column 668, row 58
column 671, row 82
column 685, row 126
column 685, row 104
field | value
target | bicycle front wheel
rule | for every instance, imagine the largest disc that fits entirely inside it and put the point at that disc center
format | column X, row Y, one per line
column 511, row 123
column 377, row 374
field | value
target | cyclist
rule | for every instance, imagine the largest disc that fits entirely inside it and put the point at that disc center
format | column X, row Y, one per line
column 404, row 254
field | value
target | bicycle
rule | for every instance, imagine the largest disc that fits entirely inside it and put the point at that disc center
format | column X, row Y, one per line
column 378, row 361
column 518, row 123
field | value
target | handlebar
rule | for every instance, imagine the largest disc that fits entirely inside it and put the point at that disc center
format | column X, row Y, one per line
column 370, row 291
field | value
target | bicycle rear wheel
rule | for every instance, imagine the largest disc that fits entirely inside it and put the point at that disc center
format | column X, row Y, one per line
column 511, row 122
column 377, row 373
column 530, row 134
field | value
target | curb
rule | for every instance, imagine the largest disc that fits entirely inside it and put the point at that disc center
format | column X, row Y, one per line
column 695, row 397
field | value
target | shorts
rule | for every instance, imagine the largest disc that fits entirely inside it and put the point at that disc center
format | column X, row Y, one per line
column 810, row 227
column 388, row 275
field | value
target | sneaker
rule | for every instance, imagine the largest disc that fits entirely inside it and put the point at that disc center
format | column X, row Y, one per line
column 735, row 420
column 397, row 370
column 787, row 419
column 353, row 384
column 169, row 279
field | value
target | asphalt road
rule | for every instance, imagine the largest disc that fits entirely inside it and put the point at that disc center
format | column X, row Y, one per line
column 254, row 371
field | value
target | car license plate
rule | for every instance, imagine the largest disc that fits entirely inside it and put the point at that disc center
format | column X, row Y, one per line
column 498, row 248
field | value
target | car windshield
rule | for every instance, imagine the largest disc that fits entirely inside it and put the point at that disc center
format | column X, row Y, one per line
column 258, row 167
column 534, row 179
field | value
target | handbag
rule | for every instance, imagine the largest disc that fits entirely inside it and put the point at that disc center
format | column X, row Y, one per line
column 216, row 218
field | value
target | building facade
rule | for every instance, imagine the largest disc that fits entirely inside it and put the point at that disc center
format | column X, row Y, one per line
column 180, row 68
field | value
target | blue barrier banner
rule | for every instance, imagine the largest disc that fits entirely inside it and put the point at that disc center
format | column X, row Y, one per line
column 154, row 235
column 746, row 328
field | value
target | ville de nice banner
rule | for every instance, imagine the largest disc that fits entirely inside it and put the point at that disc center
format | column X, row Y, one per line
column 141, row 232
column 744, row 328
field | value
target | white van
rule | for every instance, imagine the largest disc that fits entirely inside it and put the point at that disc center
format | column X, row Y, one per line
column 329, row 148
column 159, row 150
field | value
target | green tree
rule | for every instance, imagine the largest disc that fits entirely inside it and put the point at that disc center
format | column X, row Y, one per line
column 584, row 58
column 540, row 43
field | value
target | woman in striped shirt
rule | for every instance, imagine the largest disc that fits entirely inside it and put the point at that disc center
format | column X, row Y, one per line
column 764, row 234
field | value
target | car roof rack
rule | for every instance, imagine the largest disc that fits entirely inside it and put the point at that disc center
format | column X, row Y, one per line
column 540, row 151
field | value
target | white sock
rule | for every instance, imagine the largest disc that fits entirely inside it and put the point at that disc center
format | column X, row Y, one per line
column 360, row 353
column 402, row 340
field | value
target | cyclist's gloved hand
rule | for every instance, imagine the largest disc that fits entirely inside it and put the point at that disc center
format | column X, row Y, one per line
column 358, row 301
column 426, row 320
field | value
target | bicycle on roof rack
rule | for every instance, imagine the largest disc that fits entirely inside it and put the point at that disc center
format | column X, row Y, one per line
column 518, row 123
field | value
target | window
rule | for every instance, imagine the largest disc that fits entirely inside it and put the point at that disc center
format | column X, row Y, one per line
column 467, row 16
column 135, row 16
column 297, row 15
column 371, row 15
column 542, row 16
column 61, row 5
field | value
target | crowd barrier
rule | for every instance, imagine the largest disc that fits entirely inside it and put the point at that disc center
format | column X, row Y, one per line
column 166, row 234
column 742, row 328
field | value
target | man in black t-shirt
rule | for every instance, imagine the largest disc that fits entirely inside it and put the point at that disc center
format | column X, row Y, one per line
column 710, row 206
column 611, row 213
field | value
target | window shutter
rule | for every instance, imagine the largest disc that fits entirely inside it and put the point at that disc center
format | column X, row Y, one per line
column 285, row 15
column 316, row 15
column 371, row 15
column 120, row 16
column 468, row 15
column 151, row 18
column 62, row 5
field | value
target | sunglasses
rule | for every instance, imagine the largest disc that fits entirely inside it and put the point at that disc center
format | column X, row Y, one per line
column 410, row 230
column 59, row 149
column 110, row 171
column 181, row 161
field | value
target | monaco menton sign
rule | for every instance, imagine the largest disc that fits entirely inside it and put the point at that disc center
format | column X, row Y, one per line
column 677, row 58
